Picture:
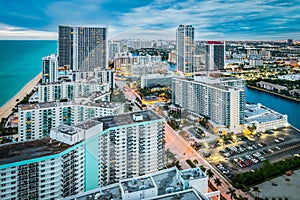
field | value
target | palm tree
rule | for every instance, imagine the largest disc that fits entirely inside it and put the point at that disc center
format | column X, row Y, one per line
column 218, row 182
column 202, row 168
column 232, row 193
column 256, row 189
column 195, row 161
column 209, row 173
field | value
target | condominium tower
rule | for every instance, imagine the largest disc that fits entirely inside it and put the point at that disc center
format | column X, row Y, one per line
column 185, row 48
column 50, row 69
column 82, row 48
column 214, row 56
column 79, row 158
column 222, row 100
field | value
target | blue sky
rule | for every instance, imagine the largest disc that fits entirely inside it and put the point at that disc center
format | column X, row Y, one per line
column 212, row 19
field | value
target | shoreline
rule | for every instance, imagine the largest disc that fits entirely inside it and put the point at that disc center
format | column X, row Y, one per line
column 274, row 93
column 6, row 109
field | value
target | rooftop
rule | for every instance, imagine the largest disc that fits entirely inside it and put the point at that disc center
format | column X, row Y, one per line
column 28, row 150
column 182, row 195
column 137, row 184
column 68, row 103
column 260, row 114
column 128, row 118
column 190, row 174
column 169, row 187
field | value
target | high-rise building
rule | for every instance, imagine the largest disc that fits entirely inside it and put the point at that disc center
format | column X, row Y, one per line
column 214, row 56
column 82, row 48
column 36, row 120
column 78, row 84
column 69, row 90
column 222, row 100
column 185, row 48
column 79, row 158
column 50, row 69
column 114, row 47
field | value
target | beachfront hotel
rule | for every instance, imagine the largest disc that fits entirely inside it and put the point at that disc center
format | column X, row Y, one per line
column 220, row 99
column 83, row 48
column 79, row 158
column 36, row 120
column 188, row 184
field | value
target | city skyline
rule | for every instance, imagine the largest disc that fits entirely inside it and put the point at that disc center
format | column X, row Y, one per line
column 213, row 20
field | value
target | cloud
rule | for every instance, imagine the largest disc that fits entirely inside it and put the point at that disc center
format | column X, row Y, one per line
column 212, row 19
column 14, row 33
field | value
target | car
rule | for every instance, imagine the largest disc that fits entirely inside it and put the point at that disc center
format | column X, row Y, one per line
column 276, row 140
column 230, row 176
column 278, row 148
column 260, row 145
column 266, row 151
column 264, row 144
column 250, row 148
column 281, row 138
column 270, row 150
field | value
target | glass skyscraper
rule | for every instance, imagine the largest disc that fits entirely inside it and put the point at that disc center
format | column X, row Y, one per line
column 185, row 48
column 82, row 48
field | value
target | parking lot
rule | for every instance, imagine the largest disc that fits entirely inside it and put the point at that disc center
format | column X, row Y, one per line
column 248, row 153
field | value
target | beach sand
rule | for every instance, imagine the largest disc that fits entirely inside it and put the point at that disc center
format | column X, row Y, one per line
column 6, row 109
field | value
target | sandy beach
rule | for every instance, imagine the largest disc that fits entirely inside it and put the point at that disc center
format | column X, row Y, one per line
column 5, row 110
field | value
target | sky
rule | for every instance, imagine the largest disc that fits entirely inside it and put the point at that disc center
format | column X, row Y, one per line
column 156, row 19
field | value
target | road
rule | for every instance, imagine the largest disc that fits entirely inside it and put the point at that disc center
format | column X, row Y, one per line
column 184, row 151
column 130, row 94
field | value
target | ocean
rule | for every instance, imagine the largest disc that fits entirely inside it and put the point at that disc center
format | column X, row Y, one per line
column 21, row 61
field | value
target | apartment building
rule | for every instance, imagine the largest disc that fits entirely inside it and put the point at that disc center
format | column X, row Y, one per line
column 79, row 158
column 69, row 90
column 36, row 120
column 222, row 100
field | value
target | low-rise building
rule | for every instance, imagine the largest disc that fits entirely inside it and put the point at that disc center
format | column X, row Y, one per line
column 264, row 118
column 271, row 86
column 151, row 80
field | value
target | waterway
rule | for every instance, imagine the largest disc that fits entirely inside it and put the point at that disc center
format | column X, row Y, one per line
column 282, row 105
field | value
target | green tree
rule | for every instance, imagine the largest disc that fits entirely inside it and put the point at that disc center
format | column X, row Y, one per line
column 210, row 174
column 202, row 168
column 218, row 182
column 232, row 193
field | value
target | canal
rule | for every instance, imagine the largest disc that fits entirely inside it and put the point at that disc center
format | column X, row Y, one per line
column 282, row 105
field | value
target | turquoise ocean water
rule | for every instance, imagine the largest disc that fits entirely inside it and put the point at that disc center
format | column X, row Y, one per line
column 20, row 61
